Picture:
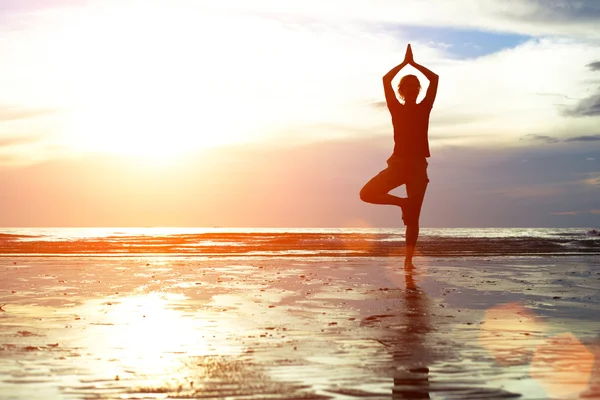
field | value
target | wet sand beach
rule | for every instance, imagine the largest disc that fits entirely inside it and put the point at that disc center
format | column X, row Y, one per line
column 152, row 327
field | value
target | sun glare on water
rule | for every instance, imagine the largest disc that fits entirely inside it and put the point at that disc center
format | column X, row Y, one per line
column 148, row 334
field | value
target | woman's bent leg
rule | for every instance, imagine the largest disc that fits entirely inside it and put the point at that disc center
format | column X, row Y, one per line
column 376, row 190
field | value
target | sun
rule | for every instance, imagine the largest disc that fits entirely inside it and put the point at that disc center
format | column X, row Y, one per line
column 149, row 86
column 151, row 129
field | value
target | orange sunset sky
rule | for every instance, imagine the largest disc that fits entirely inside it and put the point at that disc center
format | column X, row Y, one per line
column 269, row 113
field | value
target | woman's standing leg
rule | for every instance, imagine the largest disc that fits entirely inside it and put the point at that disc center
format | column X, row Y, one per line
column 415, row 191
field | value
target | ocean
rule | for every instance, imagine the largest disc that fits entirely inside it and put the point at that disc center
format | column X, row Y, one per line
column 297, row 242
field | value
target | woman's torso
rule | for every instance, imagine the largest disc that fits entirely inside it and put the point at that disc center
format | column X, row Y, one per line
column 411, row 125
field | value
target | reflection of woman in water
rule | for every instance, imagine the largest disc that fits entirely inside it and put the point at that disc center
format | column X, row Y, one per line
column 410, row 353
column 408, row 164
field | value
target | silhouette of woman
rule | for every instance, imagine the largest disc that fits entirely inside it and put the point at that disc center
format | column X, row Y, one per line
column 408, row 163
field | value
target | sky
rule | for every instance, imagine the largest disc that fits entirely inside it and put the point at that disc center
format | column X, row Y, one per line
column 264, row 113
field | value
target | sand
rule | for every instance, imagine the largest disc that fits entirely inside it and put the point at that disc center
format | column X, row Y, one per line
column 299, row 328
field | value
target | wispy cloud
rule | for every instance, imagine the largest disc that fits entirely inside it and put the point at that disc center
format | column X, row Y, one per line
column 541, row 138
column 585, row 138
column 11, row 113
column 531, row 191
column 554, row 139
column 593, row 180
column 379, row 104
column 17, row 140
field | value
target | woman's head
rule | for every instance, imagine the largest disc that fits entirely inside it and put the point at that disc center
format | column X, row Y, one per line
column 409, row 88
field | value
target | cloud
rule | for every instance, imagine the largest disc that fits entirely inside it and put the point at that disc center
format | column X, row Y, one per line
column 531, row 17
column 552, row 12
column 593, row 180
column 379, row 104
column 507, row 103
column 12, row 113
column 595, row 66
column 558, row 95
column 585, row 138
column 527, row 17
column 17, row 15
column 543, row 138
column 565, row 213
column 587, row 107
column 19, row 6
column 532, row 191
column 312, row 184
column 553, row 139
column 17, row 140
column 308, row 63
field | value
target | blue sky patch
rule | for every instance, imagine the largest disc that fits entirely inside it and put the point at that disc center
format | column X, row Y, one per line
column 461, row 43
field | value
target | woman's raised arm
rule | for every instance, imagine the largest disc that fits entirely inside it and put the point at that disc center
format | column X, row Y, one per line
column 431, row 76
column 390, row 95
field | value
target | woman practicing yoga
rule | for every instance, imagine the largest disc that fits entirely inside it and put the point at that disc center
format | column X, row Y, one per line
column 408, row 164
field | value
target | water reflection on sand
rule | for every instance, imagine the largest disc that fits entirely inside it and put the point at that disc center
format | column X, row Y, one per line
column 302, row 328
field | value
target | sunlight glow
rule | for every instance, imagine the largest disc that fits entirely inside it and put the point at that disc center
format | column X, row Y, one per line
column 138, row 90
column 160, row 78
column 167, row 80
column 510, row 333
column 563, row 366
